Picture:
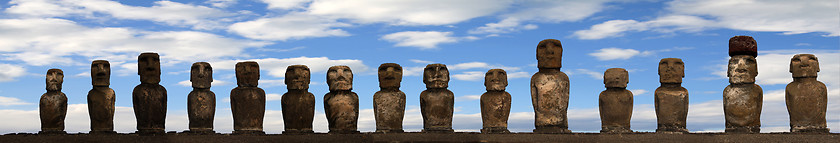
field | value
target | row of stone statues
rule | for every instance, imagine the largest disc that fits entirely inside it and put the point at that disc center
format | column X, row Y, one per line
column 806, row 97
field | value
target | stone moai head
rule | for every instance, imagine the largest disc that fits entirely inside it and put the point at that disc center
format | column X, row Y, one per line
column 804, row 65
column 297, row 77
column 549, row 54
column 390, row 75
column 148, row 67
column 201, row 75
column 616, row 77
column 247, row 74
column 436, row 76
column 495, row 80
column 340, row 78
column 100, row 73
column 671, row 70
column 55, row 77
column 742, row 69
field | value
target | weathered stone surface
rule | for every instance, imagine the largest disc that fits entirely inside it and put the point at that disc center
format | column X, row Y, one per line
column 550, row 89
column 101, row 99
column 806, row 97
column 495, row 103
column 389, row 101
column 149, row 97
column 247, row 101
column 616, row 103
column 201, row 102
column 53, row 104
column 742, row 99
column 437, row 102
column 671, row 99
column 298, row 103
column 341, row 104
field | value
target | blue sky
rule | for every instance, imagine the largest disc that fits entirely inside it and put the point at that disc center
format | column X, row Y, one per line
column 469, row 36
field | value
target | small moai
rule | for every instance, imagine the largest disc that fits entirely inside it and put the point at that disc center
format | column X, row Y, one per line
column 341, row 105
column 671, row 99
column 806, row 97
column 389, row 101
column 437, row 102
column 149, row 97
column 53, row 104
column 742, row 98
column 247, row 101
column 298, row 103
column 101, row 99
column 495, row 103
column 201, row 102
column 550, row 89
column 616, row 103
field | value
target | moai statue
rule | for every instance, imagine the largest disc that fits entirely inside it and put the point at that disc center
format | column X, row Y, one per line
column 101, row 99
column 201, row 102
column 550, row 89
column 437, row 102
column 495, row 103
column 671, row 99
column 742, row 99
column 615, row 103
column 149, row 97
column 806, row 97
column 247, row 101
column 389, row 101
column 298, row 104
column 53, row 105
column 341, row 105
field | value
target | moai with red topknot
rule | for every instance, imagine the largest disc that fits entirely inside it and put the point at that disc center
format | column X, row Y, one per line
column 742, row 99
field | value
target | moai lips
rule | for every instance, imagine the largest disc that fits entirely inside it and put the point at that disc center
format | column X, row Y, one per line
column 341, row 105
column 495, row 103
column 389, row 101
column 550, row 89
column 101, row 99
column 298, row 104
column 247, row 100
column 742, row 99
column 437, row 102
column 53, row 104
column 806, row 97
column 615, row 103
column 149, row 97
column 201, row 102
column 671, row 99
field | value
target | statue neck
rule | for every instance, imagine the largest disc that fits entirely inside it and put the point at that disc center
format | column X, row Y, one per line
column 297, row 90
column 549, row 69
column 389, row 88
column 671, row 84
column 804, row 79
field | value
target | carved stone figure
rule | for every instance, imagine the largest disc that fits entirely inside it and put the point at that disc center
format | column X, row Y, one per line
column 149, row 97
column 53, row 105
column 742, row 99
column 550, row 89
column 298, row 104
column 806, row 97
column 495, row 103
column 201, row 102
column 341, row 105
column 101, row 99
column 247, row 101
column 616, row 103
column 671, row 99
column 389, row 101
column 437, row 102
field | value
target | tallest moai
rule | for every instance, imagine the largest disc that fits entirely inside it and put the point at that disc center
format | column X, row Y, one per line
column 149, row 97
column 742, row 99
column 550, row 89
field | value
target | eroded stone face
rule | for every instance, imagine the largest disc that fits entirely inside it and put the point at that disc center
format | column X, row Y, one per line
column 436, row 76
column 390, row 75
column 340, row 78
column 804, row 65
column 55, row 77
column 671, row 70
column 495, row 80
column 297, row 77
column 616, row 77
column 201, row 75
column 148, row 67
column 201, row 102
column 100, row 73
column 742, row 69
column 549, row 54
column 53, row 104
column 247, row 74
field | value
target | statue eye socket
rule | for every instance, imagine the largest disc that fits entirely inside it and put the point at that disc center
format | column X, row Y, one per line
column 679, row 63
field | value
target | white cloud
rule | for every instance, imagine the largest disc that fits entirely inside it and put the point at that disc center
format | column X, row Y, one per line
column 406, row 12
column 285, row 4
column 290, row 26
column 469, row 76
column 593, row 74
column 637, row 92
column 221, row 3
column 549, row 11
column 10, row 72
column 607, row 54
column 421, row 61
column 665, row 24
column 467, row 98
column 10, row 101
column 505, row 26
column 277, row 67
column 271, row 83
column 420, row 39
